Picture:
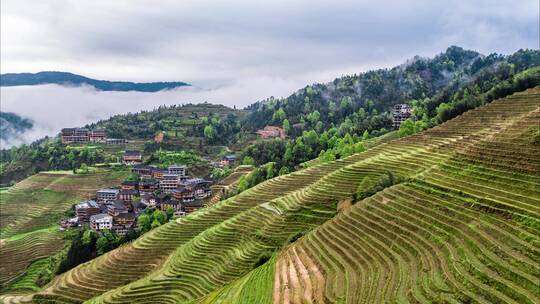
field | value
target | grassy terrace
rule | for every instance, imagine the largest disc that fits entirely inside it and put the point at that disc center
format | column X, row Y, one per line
column 30, row 210
column 461, row 228
column 228, row 184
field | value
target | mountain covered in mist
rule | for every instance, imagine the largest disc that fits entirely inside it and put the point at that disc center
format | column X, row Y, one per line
column 12, row 126
column 70, row 79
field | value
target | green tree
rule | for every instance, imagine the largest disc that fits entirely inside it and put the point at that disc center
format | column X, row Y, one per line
column 170, row 212
column 284, row 170
column 144, row 222
column 243, row 183
column 84, row 168
column 286, row 126
column 406, row 128
column 160, row 216
column 89, row 237
column 270, row 171
column 279, row 116
column 155, row 224
column 102, row 245
column 209, row 132
column 365, row 136
column 248, row 160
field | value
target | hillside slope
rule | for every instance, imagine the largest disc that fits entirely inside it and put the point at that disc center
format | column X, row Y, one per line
column 30, row 210
column 460, row 227
column 70, row 79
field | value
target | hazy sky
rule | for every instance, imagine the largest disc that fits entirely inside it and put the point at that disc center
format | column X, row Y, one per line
column 213, row 43
column 237, row 52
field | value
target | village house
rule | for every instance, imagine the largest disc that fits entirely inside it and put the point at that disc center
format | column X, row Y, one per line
column 82, row 135
column 128, row 195
column 117, row 207
column 101, row 221
column 228, row 161
column 107, row 195
column 120, row 230
column 158, row 173
column 169, row 182
column 74, row 135
column 184, row 194
column 271, row 132
column 132, row 157
column 125, row 219
column 192, row 206
column 148, row 199
column 179, row 170
column 401, row 113
column 201, row 187
column 97, row 136
column 148, row 185
column 191, row 189
column 86, row 209
column 130, row 185
column 143, row 170
column 172, row 203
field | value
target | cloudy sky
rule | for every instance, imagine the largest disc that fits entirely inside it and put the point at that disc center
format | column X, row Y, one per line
column 237, row 52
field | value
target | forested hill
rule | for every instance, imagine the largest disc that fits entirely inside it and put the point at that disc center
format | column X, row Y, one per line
column 63, row 78
column 330, row 120
column 422, row 82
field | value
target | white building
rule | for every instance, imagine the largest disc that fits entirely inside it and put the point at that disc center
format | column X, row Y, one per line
column 169, row 183
column 179, row 170
column 107, row 195
column 101, row 221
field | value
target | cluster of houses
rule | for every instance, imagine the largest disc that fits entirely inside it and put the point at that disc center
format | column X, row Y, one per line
column 106, row 211
column 84, row 135
column 118, row 209
column 402, row 112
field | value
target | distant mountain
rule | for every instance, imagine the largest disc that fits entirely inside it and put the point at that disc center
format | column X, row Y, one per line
column 69, row 79
column 12, row 126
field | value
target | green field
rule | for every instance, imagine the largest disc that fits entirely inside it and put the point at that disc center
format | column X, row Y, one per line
column 459, row 226
column 30, row 212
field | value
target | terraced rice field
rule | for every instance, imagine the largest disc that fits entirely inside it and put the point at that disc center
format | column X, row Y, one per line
column 227, row 185
column 30, row 210
column 461, row 228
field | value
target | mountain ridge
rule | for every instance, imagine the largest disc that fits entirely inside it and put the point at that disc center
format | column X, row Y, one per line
column 66, row 78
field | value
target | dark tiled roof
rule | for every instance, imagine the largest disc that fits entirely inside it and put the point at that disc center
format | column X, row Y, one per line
column 131, row 191
column 195, row 203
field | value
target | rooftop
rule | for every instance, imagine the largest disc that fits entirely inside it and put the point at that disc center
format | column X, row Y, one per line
column 132, row 153
column 100, row 216
column 87, row 204
column 108, row 190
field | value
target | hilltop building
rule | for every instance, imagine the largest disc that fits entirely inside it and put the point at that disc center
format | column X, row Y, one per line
column 401, row 113
column 75, row 135
column 85, row 135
